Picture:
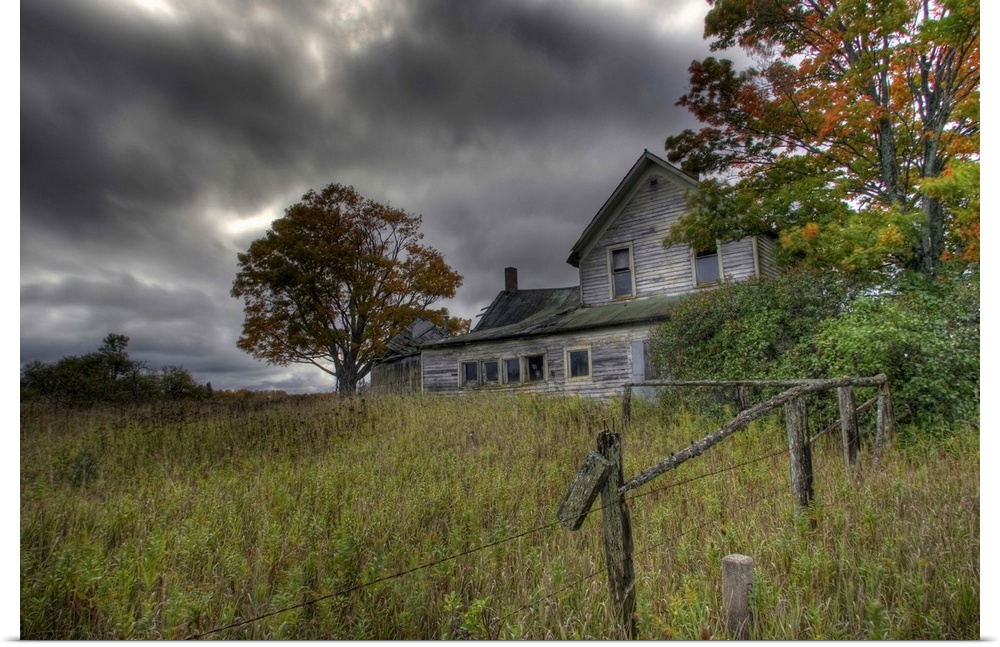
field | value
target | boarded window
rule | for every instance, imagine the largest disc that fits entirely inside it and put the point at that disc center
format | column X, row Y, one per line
column 578, row 362
column 470, row 373
column 535, row 365
column 706, row 267
column 512, row 370
column 491, row 371
column 621, row 272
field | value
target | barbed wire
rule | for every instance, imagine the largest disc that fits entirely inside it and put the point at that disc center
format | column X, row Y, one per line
column 597, row 571
column 436, row 562
column 378, row 580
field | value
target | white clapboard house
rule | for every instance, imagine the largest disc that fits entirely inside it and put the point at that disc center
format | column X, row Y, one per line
column 591, row 338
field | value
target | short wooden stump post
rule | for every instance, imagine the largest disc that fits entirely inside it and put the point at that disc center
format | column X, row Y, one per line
column 737, row 578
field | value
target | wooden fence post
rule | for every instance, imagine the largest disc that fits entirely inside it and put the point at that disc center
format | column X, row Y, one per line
column 627, row 404
column 849, row 428
column 617, row 535
column 737, row 578
column 885, row 425
column 800, row 453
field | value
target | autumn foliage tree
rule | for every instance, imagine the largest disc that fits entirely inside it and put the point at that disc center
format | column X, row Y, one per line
column 333, row 280
column 854, row 136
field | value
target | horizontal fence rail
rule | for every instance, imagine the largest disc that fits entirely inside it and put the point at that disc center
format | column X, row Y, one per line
column 601, row 472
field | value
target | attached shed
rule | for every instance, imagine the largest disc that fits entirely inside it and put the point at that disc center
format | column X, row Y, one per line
column 399, row 369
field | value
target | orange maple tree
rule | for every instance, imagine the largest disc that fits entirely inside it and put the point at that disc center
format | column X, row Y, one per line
column 842, row 135
column 334, row 279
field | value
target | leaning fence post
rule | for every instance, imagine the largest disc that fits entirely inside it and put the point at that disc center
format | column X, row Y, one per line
column 849, row 427
column 737, row 578
column 617, row 534
column 800, row 454
column 885, row 424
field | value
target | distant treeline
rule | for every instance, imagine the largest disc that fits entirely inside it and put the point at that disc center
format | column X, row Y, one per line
column 108, row 375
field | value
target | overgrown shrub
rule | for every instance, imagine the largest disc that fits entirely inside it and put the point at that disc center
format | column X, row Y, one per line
column 746, row 330
column 923, row 335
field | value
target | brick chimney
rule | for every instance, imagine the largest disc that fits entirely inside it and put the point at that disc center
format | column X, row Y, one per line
column 510, row 279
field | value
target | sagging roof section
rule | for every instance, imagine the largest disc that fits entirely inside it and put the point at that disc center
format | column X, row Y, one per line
column 626, row 189
column 571, row 317
column 411, row 339
column 511, row 307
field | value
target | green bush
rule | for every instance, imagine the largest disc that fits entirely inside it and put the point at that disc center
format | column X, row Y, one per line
column 923, row 335
column 746, row 330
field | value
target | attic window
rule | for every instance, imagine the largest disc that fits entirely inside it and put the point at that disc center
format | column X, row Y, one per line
column 622, row 284
column 706, row 267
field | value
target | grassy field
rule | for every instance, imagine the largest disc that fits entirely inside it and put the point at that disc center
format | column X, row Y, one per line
column 169, row 521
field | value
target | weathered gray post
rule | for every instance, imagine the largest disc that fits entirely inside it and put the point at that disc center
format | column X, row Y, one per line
column 849, row 428
column 800, row 454
column 617, row 534
column 885, row 425
column 627, row 404
column 737, row 578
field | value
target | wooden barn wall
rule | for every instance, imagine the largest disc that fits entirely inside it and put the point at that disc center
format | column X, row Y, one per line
column 644, row 222
column 737, row 259
column 765, row 252
column 610, row 358
column 399, row 376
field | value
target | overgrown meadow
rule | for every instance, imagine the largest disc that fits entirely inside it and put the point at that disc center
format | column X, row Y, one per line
column 174, row 520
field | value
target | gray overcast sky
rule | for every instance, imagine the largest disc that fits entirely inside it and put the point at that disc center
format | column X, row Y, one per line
column 158, row 138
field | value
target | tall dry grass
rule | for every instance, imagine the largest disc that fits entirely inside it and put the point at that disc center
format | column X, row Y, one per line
column 168, row 521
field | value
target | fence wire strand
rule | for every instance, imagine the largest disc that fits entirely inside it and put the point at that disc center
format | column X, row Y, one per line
column 595, row 572
column 589, row 575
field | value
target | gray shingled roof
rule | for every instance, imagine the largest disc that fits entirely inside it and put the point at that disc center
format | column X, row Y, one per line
column 571, row 317
column 409, row 341
column 513, row 307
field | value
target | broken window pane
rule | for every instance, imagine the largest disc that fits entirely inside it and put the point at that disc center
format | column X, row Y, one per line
column 512, row 370
column 536, row 367
column 470, row 373
column 621, row 272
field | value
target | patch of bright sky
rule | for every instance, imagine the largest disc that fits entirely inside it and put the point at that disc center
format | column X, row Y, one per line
column 161, row 9
column 675, row 17
column 237, row 225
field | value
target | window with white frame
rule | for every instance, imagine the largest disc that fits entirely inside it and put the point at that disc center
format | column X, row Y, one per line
column 707, row 266
column 621, row 266
column 577, row 363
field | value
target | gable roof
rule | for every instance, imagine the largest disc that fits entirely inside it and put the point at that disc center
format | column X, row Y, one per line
column 621, row 197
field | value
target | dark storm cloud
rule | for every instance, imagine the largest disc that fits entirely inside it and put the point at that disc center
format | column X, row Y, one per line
column 149, row 130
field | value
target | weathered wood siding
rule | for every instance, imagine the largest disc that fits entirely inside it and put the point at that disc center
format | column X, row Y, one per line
column 399, row 376
column 611, row 362
column 765, row 254
column 737, row 260
column 644, row 222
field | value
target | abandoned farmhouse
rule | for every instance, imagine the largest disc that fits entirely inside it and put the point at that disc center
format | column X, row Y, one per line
column 591, row 338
